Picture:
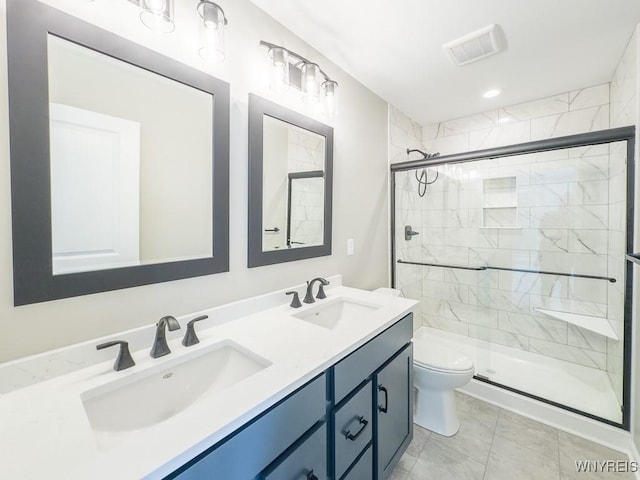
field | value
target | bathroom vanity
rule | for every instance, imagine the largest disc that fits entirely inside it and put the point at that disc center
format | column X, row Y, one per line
column 356, row 411
column 270, row 392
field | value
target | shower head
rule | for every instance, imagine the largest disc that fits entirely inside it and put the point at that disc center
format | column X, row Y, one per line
column 425, row 155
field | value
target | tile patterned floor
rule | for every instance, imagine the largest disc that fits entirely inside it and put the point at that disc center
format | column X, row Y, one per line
column 495, row 444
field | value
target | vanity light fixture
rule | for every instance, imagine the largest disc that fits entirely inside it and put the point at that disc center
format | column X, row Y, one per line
column 290, row 69
column 211, row 30
column 280, row 70
column 158, row 16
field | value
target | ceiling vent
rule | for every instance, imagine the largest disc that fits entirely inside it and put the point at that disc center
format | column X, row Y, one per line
column 476, row 45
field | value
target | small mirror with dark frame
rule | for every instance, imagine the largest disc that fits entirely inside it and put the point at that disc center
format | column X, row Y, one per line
column 290, row 185
column 119, row 160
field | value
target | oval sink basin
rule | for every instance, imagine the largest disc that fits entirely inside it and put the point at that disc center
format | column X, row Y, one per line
column 330, row 313
column 158, row 393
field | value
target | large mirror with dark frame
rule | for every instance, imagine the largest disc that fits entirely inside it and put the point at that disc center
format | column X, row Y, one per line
column 119, row 160
column 290, row 182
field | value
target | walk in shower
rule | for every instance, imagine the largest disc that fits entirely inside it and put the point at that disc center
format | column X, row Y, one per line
column 517, row 256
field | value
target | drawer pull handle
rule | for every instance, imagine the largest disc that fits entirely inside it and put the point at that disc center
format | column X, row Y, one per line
column 311, row 476
column 386, row 399
column 352, row 436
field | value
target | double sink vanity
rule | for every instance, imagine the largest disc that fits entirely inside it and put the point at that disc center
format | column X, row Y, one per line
column 270, row 391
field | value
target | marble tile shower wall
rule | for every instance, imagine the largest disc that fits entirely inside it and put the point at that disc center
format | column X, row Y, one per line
column 563, row 223
column 624, row 112
column 406, row 133
column 568, row 113
column 562, row 226
column 306, row 153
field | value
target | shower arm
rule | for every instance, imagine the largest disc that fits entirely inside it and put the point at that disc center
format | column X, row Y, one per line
column 425, row 155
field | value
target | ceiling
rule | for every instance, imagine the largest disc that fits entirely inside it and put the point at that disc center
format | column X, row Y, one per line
column 395, row 48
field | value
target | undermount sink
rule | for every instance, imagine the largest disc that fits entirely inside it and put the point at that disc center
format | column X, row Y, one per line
column 148, row 397
column 330, row 313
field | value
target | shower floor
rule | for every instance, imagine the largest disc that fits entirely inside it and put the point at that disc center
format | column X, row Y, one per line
column 576, row 386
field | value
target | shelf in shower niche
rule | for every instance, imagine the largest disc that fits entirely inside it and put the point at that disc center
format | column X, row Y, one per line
column 598, row 325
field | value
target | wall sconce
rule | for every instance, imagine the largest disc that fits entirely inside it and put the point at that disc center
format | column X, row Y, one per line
column 158, row 16
column 290, row 69
column 211, row 30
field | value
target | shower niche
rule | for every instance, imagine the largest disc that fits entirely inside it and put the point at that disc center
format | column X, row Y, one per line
column 500, row 202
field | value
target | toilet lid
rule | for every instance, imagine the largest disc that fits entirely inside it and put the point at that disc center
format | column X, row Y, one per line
column 429, row 354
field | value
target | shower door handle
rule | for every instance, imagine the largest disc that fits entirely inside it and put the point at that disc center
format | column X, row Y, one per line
column 409, row 233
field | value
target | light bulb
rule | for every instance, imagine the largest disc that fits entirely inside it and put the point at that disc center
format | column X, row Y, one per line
column 157, row 15
column 211, row 31
column 310, row 83
column 330, row 98
column 279, row 69
column 156, row 5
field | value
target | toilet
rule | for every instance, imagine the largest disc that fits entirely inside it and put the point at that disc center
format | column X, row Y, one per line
column 437, row 370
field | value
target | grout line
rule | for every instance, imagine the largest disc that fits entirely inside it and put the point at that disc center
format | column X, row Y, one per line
column 493, row 437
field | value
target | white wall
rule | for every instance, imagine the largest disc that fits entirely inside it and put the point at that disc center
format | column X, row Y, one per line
column 359, row 191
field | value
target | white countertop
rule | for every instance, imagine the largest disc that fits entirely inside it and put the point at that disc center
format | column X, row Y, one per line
column 45, row 433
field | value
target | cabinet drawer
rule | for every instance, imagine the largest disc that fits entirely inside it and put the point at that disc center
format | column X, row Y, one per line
column 306, row 461
column 255, row 446
column 363, row 469
column 351, row 371
column 353, row 426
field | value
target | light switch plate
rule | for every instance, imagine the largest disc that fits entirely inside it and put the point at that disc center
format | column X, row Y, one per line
column 350, row 246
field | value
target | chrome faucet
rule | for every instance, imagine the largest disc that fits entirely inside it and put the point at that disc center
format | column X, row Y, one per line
column 308, row 297
column 160, row 347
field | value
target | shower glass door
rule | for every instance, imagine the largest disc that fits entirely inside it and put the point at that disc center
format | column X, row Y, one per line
column 518, row 258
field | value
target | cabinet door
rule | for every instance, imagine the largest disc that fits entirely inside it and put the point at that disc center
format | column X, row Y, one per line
column 363, row 469
column 394, row 410
column 352, row 428
column 307, row 462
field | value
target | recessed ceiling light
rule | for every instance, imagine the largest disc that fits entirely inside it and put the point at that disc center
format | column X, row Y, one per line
column 491, row 93
column 504, row 120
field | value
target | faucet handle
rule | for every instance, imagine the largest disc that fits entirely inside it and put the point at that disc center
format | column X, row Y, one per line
column 190, row 337
column 321, row 293
column 295, row 301
column 124, row 359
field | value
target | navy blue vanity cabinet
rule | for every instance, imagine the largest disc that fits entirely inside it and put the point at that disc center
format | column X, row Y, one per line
column 363, row 468
column 353, row 421
column 380, row 373
column 307, row 460
column 394, row 386
column 249, row 450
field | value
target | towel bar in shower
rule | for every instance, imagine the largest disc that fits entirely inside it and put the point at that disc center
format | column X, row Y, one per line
column 522, row 270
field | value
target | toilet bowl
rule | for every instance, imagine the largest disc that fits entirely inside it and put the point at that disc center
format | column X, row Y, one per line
column 437, row 370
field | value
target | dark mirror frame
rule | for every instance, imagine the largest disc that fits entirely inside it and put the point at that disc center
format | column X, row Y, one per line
column 258, row 108
column 28, row 24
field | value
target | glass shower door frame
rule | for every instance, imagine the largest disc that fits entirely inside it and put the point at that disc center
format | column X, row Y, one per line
column 581, row 140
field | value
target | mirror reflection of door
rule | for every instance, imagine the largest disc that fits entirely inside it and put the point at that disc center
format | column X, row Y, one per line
column 95, row 190
column 118, row 200
column 305, row 209
column 293, row 186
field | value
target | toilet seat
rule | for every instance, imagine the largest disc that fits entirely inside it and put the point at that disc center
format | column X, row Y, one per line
column 439, row 358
